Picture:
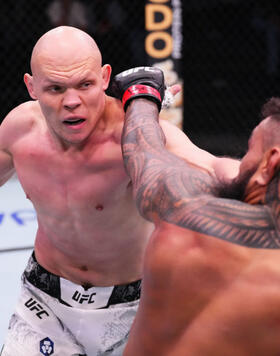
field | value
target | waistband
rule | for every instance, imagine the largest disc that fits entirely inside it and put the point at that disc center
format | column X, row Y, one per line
column 74, row 295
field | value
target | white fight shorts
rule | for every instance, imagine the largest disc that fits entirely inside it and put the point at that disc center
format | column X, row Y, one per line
column 57, row 317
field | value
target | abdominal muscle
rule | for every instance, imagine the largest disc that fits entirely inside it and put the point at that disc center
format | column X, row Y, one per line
column 99, row 247
column 94, row 252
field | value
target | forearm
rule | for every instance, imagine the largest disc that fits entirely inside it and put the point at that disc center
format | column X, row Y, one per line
column 145, row 156
column 143, row 145
column 142, row 134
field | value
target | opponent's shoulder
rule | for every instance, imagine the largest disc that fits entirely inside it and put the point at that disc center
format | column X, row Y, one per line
column 169, row 243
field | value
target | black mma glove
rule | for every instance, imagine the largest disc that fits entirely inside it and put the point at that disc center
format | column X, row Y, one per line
column 139, row 82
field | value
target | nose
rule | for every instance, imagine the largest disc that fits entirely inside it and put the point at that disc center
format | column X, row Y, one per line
column 71, row 99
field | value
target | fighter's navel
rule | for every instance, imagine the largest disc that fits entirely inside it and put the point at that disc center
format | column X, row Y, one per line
column 99, row 207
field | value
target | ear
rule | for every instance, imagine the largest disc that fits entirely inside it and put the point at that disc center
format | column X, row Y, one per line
column 29, row 82
column 106, row 75
column 268, row 166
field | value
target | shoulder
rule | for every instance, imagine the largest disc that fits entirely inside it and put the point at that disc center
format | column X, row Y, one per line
column 19, row 121
column 170, row 249
column 23, row 114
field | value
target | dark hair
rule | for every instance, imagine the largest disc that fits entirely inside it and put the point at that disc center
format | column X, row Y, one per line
column 271, row 108
column 271, row 130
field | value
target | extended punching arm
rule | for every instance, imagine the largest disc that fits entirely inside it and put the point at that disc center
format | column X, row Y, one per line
column 166, row 188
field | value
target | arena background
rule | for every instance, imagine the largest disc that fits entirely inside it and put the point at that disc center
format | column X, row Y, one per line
column 229, row 62
column 229, row 65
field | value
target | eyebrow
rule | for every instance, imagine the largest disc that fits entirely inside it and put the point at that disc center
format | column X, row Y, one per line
column 52, row 82
column 57, row 82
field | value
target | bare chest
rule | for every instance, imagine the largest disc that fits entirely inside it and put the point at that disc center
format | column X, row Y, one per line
column 82, row 181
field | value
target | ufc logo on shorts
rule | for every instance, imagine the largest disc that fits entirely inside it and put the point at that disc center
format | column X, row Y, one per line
column 137, row 69
column 32, row 305
column 80, row 298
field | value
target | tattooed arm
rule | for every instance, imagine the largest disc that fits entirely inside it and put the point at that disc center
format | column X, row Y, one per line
column 167, row 188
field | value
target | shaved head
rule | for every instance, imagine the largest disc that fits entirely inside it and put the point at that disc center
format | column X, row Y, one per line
column 62, row 46
column 68, row 78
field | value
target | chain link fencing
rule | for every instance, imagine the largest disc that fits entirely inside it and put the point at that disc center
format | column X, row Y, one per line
column 230, row 60
column 231, row 67
column 116, row 25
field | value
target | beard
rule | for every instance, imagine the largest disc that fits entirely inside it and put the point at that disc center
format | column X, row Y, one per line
column 235, row 189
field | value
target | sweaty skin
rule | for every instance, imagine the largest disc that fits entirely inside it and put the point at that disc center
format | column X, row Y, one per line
column 202, row 295
column 65, row 148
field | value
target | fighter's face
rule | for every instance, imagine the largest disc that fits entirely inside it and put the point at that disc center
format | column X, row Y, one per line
column 71, row 96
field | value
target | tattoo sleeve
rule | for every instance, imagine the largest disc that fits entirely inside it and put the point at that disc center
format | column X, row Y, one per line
column 167, row 188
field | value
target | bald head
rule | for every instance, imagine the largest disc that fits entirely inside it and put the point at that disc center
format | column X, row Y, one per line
column 62, row 46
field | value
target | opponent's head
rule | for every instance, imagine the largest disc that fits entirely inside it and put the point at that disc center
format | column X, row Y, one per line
column 69, row 82
column 261, row 163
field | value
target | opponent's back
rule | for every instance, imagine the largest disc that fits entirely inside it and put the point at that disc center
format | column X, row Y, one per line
column 204, row 296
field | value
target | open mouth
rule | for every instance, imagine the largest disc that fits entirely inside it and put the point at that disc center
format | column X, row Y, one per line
column 73, row 122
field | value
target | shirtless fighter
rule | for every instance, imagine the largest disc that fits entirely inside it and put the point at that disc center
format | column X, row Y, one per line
column 81, row 287
column 211, row 280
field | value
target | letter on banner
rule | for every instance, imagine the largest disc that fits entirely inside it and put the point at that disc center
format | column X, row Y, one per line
column 163, row 47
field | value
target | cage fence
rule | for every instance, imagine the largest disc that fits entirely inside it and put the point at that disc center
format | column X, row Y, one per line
column 230, row 56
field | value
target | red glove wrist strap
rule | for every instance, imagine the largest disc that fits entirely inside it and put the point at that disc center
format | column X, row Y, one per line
column 140, row 89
